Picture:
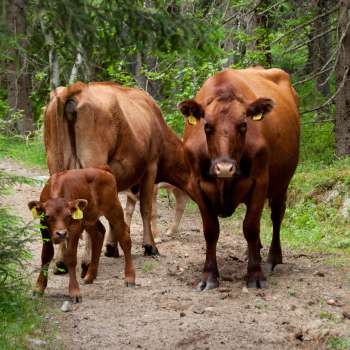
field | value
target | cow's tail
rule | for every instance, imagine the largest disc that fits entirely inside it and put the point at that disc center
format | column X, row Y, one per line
column 65, row 111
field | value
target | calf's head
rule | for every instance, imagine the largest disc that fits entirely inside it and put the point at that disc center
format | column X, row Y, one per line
column 226, row 121
column 59, row 215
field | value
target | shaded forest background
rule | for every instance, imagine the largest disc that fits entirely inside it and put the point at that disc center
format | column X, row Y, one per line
column 170, row 47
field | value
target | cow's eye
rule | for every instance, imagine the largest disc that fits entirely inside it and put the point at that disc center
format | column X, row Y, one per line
column 208, row 128
column 243, row 127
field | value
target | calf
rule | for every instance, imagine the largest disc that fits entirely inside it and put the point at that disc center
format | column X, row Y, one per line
column 70, row 202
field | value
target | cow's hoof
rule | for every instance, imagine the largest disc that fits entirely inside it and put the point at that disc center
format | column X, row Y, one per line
column 84, row 269
column 150, row 250
column 207, row 285
column 60, row 268
column 255, row 282
column 273, row 260
column 111, row 251
column 130, row 284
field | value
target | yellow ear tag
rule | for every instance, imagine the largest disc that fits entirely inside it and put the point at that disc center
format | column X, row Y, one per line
column 192, row 120
column 77, row 214
column 35, row 213
column 258, row 117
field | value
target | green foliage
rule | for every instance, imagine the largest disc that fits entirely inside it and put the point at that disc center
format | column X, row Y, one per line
column 29, row 151
column 338, row 343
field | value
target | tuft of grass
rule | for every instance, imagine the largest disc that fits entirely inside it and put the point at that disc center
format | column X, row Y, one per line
column 338, row 343
column 148, row 266
column 20, row 315
column 30, row 151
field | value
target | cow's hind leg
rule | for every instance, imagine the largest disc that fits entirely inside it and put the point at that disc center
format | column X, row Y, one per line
column 146, row 195
column 96, row 234
column 181, row 199
column 47, row 254
column 120, row 232
column 278, row 207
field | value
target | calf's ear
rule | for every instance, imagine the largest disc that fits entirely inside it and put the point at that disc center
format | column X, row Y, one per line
column 258, row 108
column 36, row 208
column 77, row 206
column 191, row 108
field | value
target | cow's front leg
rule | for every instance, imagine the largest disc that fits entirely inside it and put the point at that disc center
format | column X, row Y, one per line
column 47, row 253
column 251, row 229
column 70, row 259
column 211, row 233
column 146, row 194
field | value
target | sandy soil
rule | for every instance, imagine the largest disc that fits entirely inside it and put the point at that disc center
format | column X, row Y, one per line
column 164, row 312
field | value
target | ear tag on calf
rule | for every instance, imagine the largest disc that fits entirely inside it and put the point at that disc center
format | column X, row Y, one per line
column 35, row 213
column 258, row 117
column 192, row 119
column 77, row 214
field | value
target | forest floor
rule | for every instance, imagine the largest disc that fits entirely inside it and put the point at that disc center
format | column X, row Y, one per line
column 306, row 304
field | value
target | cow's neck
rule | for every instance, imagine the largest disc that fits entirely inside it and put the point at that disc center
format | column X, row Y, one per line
column 173, row 167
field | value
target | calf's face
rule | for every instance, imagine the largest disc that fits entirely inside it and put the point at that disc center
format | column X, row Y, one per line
column 59, row 215
column 225, row 127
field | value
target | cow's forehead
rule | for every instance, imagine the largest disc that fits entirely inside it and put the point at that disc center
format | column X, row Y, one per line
column 56, row 205
column 218, row 110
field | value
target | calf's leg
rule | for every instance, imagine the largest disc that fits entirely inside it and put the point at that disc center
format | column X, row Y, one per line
column 120, row 232
column 70, row 259
column 47, row 253
column 96, row 234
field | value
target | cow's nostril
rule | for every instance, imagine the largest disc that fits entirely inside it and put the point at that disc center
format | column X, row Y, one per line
column 61, row 234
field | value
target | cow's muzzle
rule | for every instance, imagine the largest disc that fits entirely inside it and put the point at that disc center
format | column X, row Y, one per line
column 223, row 168
column 59, row 236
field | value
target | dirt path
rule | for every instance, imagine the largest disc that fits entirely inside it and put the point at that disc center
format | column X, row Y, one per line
column 164, row 312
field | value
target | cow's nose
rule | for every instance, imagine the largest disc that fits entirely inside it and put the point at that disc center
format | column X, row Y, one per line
column 224, row 169
column 61, row 234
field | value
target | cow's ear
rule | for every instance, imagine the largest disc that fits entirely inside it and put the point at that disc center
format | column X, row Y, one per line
column 258, row 108
column 191, row 108
column 36, row 208
column 77, row 206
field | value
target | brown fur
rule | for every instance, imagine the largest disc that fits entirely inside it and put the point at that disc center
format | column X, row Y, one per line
column 260, row 155
column 94, row 191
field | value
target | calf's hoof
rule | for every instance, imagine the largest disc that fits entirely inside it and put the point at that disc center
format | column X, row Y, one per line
column 89, row 279
column 38, row 293
column 111, row 251
column 76, row 299
column 130, row 284
column 84, row 269
column 60, row 268
column 210, row 283
column 150, row 250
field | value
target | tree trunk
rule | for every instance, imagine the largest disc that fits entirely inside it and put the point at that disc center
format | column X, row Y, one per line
column 342, row 101
column 18, row 79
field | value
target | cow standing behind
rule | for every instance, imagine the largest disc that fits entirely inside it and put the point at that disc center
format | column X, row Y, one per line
column 91, row 125
column 242, row 139
column 73, row 201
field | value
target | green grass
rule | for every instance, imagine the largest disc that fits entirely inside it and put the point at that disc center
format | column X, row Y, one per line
column 21, row 316
column 338, row 343
column 29, row 152
column 311, row 223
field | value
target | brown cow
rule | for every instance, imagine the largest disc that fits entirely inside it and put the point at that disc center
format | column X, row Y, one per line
column 90, row 125
column 70, row 202
column 242, row 140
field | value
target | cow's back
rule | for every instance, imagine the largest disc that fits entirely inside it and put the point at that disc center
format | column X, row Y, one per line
column 111, row 125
